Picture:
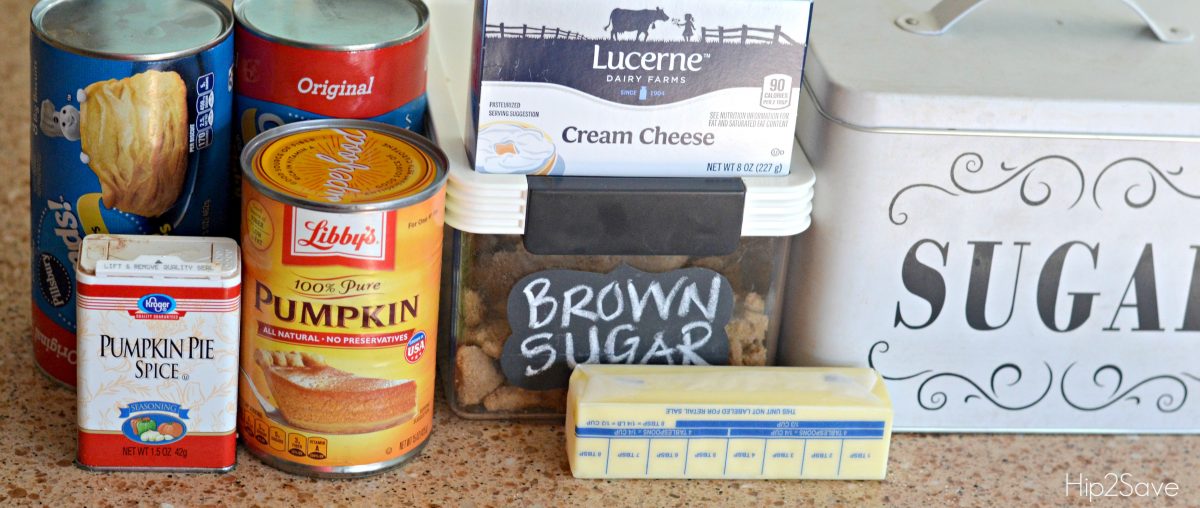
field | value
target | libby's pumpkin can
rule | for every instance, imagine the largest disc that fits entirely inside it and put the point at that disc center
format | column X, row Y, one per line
column 342, row 242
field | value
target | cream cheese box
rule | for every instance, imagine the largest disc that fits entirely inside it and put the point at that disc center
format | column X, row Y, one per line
column 699, row 88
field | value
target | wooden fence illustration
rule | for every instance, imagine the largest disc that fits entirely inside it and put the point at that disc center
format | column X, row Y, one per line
column 530, row 32
column 720, row 34
column 744, row 34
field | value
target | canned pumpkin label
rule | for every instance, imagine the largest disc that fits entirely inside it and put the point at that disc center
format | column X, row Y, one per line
column 340, row 303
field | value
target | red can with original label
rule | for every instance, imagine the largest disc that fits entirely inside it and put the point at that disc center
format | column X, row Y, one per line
column 313, row 59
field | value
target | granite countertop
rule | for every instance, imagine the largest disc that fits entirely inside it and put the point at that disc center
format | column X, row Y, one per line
column 475, row 463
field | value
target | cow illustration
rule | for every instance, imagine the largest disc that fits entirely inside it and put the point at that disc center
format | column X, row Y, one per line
column 641, row 21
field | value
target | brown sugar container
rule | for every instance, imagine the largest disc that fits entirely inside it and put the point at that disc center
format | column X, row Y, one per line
column 546, row 273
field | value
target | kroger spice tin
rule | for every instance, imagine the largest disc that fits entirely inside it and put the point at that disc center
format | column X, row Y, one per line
column 311, row 59
column 342, row 240
column 131, row 105
column 158, row 352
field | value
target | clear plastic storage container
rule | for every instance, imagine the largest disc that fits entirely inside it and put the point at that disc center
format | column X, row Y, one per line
column 613, row 270
column 544, row 273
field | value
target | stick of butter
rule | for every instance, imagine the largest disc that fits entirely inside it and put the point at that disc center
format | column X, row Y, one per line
column 638, row 421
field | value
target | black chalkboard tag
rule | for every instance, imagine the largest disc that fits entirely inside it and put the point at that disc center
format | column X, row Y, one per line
column 636, row 216
column 561, row 318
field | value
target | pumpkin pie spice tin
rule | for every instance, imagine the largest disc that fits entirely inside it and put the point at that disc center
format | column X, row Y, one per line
column 158, row 353
column 342, row 242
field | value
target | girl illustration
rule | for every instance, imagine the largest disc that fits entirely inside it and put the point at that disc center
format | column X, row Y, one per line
column 689, row 27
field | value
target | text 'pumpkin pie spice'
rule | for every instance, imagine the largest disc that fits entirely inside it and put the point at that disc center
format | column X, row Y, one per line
column 342, row 241
column 131, row 133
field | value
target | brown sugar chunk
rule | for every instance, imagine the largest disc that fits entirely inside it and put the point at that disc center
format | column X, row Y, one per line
column 754, row 354
column 490, row 337
column 473, row 308
column 485, row 243
column 657, row 264
column 748, row 331
column 511, row 398
column 478, row 375
column 498, row 273
column 754, row 303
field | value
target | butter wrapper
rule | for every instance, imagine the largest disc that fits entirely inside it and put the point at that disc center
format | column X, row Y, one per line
column 626, row 421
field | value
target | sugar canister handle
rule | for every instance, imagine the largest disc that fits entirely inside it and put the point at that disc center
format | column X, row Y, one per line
column 946, row 13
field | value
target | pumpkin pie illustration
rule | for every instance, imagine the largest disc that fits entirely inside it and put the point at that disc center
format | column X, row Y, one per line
column 134, row 136
column 314, row 396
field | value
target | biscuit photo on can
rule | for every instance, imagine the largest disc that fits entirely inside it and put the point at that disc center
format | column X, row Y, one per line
column 134, row 136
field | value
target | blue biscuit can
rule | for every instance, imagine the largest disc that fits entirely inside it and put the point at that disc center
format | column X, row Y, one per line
column 132, row 104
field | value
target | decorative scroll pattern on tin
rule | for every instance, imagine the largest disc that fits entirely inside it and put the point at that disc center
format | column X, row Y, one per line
column 1173, row 391
column 1140, row 194
column 1034, row 189
column 933, row 392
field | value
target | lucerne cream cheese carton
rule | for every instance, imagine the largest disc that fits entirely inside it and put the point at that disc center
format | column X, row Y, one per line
column 696, row 88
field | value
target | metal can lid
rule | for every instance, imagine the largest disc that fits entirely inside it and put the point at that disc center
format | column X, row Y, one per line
column 138, row 30
column 346, row 25
column 344, row 166
column 162, row 257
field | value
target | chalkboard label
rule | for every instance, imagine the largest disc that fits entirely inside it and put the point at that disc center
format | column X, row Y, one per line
column 561, row 318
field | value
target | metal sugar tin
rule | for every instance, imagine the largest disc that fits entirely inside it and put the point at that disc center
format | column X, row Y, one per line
column 158, row 349
column 118, row 87
column 999, row 232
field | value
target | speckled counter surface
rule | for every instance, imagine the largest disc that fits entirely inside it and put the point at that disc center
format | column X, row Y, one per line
column 470, row 463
